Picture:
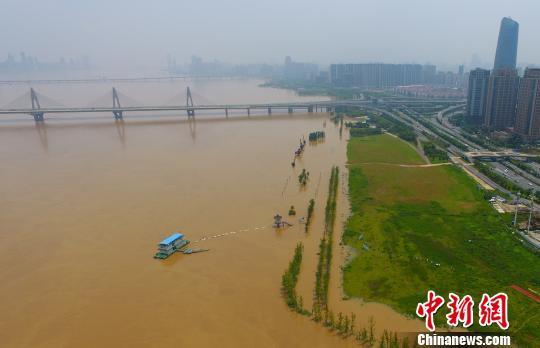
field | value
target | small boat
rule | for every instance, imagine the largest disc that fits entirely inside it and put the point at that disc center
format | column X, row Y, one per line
column 193, row 251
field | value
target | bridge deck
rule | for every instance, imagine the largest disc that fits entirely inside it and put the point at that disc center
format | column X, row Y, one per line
column 166, row 108
column 321, row 104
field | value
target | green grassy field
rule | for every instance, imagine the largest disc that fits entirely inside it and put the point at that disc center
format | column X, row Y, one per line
column 381, row 149
column 430, row 228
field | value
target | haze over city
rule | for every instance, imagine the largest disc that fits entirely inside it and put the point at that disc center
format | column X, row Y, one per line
column 299, row 173
column 141, row 34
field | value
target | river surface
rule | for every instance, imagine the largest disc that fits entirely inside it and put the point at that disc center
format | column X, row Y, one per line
column 84, row 202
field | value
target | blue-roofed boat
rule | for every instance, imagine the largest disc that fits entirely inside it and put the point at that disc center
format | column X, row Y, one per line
column 173, row 243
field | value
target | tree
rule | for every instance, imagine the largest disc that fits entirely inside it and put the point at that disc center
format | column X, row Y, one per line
column 405, row 343
column 340, row 322
column 395, row 341
column 332, row 320
column 345, row 329
column 364, row 335
column 371, row 330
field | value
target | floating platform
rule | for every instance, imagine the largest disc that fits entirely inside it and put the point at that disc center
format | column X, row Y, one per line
column 175, row 242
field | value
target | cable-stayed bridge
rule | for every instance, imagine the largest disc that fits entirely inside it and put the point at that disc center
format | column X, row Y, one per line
column 33, row 104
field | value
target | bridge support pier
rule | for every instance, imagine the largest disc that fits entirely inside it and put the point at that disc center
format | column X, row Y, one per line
column 116, row 104
column 248, row 112
column 310, row 109
column 226, row 113
column 118, row 115
column 38, row 117
column 189, row 104
column 290, row 110
column 269, row 111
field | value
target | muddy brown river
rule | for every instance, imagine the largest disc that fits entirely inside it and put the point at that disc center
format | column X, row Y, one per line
column 83, row 204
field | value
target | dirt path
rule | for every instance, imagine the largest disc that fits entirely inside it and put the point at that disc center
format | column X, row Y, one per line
column 418, row 148
column 407, row 165
column 458, row 161
column 526, row 293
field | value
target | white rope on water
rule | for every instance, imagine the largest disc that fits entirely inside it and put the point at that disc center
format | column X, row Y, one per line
column 285, row 187
column 318, row 184
column 227, row 234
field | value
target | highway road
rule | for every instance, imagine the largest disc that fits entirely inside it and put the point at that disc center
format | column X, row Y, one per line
column 523, row 173
column 509, row 171
column 515, row 175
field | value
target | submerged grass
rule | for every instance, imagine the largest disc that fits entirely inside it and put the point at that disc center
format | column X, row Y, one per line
column 425, row 228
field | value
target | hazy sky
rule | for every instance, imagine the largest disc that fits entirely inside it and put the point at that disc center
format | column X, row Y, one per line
column 142, row 33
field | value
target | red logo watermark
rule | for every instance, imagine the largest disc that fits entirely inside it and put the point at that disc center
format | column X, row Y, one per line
column 494, row 310
column 429, row 308
column 491, row 310
column 461, row 310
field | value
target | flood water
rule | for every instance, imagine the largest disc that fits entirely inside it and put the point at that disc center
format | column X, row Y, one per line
column 83, row 204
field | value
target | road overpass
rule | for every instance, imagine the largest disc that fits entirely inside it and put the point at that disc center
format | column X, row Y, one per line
column 497, row 154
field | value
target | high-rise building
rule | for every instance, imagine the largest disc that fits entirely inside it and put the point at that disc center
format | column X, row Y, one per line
column 506, row 55
column 299, row 71
column 477, row 95
column 528, row 106
column 429, row 73
column 376, row 75
column 501, row 102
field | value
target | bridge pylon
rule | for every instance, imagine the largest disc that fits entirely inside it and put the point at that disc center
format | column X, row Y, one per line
column 116, row 105
column 189, row 104
column 36, row 108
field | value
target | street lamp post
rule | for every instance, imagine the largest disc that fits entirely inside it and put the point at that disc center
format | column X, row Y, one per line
column 530, row 212
column 517, row 205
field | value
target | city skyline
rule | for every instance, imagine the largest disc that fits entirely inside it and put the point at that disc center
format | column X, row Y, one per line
column 136, row 34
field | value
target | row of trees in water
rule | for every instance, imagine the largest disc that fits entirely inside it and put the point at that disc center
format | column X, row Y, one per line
column 322, row 276
column 310, row 209
column 344, row 325
column 290, row 279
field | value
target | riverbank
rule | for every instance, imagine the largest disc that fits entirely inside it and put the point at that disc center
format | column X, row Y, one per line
column 416, row 228
column 313, row 89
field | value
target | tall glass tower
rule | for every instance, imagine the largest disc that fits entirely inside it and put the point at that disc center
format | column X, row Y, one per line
column 506, row 55
column 477, row 95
